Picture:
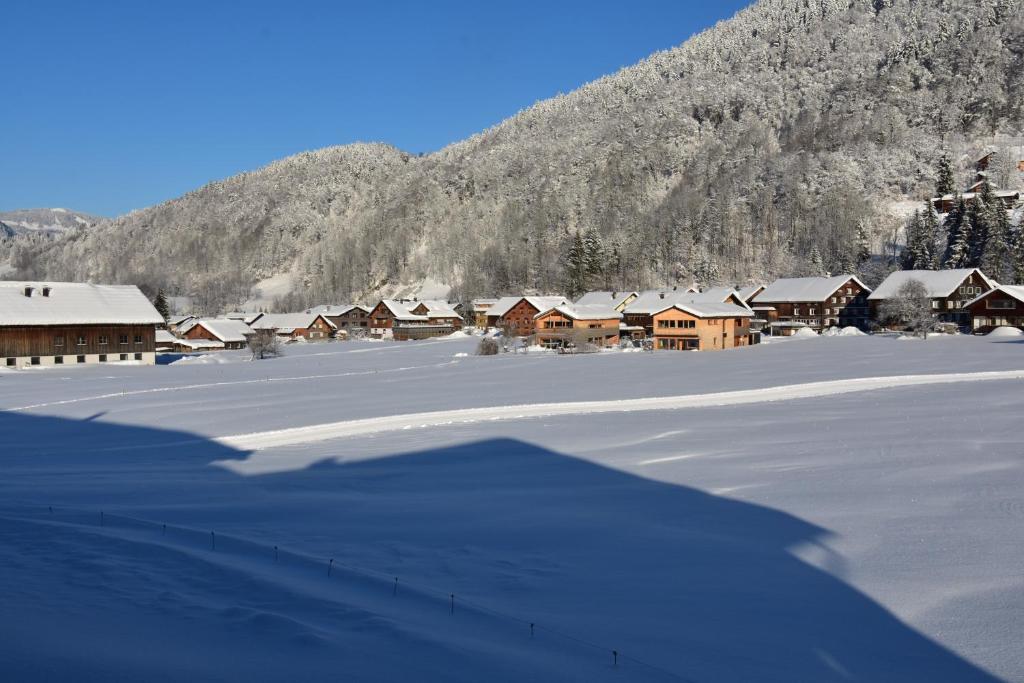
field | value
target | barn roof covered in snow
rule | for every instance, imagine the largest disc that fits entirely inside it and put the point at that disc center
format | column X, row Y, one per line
column 938, row 283
column 225, row 329
column 287, row 322
column 613, row 299
column 709, row 309
column 1013, row 291
column 541, row 303
column 74, row 303
column 329, row 310
column 800, row 289
column 584, row 311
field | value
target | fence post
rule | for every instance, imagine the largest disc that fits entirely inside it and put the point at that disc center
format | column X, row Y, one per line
column 615, row 657
column 394, row 591
column 213, row 541
column 330, row 566
column 275, row 553
column 452, row 610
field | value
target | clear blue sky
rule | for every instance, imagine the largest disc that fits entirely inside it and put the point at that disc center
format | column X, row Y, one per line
column 110, row 106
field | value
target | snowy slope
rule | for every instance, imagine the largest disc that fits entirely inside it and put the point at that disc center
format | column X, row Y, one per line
column 835, row 535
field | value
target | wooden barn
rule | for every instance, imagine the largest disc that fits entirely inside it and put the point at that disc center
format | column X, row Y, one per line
column 310, row 326
column 515, row 314
column 999, row 307
column 818, row 303
column 231, row 334
column 578, row 325
column 701, row 326
column 406, row 320
column 68, row 322
column 348, row 320
column 949, row 290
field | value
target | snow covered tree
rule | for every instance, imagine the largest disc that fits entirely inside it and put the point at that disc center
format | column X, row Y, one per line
column 958, row 236
column 263, row 343
column 944, row 181
column 863, row 243
column 577, row 266
column 931, row 233
column 910, row 308
column 815, row 262
column 160, row 304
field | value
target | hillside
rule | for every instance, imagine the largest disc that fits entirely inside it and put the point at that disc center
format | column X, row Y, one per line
column 47, row 222
column 779, row 136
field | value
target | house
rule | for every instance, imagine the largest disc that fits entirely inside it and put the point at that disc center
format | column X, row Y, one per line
column 71, row 322
column 949, row 291
column 177, row 322
column 572, row 325
column 296, row 325
column 748, row 293
column 348, row 320
column 229, row 333
column 815, row 302
column 638, row 316
column 617, row 300
column 701, row 326
column 247, row 318
column 478, row 311
column 1002, row 306
column 515, row 314
column 405, row 320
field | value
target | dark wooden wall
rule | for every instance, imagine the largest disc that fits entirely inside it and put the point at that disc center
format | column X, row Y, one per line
column 42, row 340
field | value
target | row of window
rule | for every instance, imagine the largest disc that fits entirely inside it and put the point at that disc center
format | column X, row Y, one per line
column 59, row 360
column 102, row 340
column 970, row 291
column 685, row 324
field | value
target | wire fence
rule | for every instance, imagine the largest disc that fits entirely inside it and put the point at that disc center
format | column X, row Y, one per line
column 439, row 600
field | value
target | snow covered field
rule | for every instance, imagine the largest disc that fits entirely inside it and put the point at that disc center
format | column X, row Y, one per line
column 810, row 522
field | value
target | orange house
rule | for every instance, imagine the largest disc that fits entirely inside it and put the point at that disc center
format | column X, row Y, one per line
column 701, row 327
column 573, row 325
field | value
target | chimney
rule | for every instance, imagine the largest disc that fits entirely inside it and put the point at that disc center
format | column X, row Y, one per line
column 28, row 291
column 661, row 295
column 46, row 290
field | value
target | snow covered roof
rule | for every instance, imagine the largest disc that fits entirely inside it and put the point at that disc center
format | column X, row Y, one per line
column 613, row 299
column 541, row 303
column 199, row 343
column 74, row 303
column 585, row 311
column 938, row 283
column 329, row 310
column 748, row 292
column 179, row 319
column 481, row 304
column 286, row 322
column 800, row 289
column 709, row 309
column 653, row 301
column 165, row 337
column 1015, row 291
column 436, row 308
column 226, row 329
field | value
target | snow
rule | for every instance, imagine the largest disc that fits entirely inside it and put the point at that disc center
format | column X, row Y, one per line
column 786, row 512
column 1006, row 332
column 265, row 291
column 226, row 329
column 805, row 332
column 851, row 331
column 72, row 303
column 284, row 322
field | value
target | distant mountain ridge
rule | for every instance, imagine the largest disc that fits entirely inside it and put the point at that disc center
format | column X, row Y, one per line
column 771, row 144
column 47, row 222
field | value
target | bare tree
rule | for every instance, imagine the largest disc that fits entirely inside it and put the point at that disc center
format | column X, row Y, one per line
column 264, row 343
column 910, row 307
column 488, row 346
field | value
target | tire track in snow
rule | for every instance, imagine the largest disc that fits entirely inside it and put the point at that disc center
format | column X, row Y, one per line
column 323, row 432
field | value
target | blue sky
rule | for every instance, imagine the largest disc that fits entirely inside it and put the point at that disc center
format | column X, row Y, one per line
column 110, row 106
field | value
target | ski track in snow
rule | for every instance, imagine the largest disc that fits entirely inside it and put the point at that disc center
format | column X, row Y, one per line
column 209, row 385
column 333, row 430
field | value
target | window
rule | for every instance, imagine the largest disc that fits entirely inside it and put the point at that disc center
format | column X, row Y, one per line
column 103, row 340
column 103, row 358
column 124, row 356
column 812, row 312
column 35, row 360
column 79, row 359
column 138, row 339
column 999, row 303
column 11, row 362
column 58, row 360
column 58, row 341
column 935, row 305
column 123, row 340
column 833, row 300
column 796, row 310
column 138, row 356
column 81, row 340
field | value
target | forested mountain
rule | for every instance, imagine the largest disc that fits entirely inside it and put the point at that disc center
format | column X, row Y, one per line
column 774, row 143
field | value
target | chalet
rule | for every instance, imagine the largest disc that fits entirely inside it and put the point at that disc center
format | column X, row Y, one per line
column 638, row 316
column 348, row 320
column 617, row 300
column 68, row 322
column 573, row 325
column 177, row 322
column 296, row 325
column 230, row 334
column 405, row 320
column 815, row 302
column 949, row 290
column 701, row 326
column 515, row 314
column 1002, row 306
column 478, row 311
column 247, row 318
column 748, row 293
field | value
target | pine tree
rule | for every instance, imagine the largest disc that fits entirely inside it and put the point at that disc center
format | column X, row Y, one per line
column 576, row 265
column 930, row 231
column 595, row 258
column 863, row 244
column 160, row 304
column 1017, row 255
column 817, row 264
column 915, row 255
column 959, row 229
column 944, row 181
column 997, row 258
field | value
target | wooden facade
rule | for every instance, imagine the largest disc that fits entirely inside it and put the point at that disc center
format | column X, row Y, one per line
column 997, row 308
column 199, row 331
column 45, row 344
column 555, row 329
column 518, row 320
column 951, row 308
column 352, row 322
column 679, row 330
